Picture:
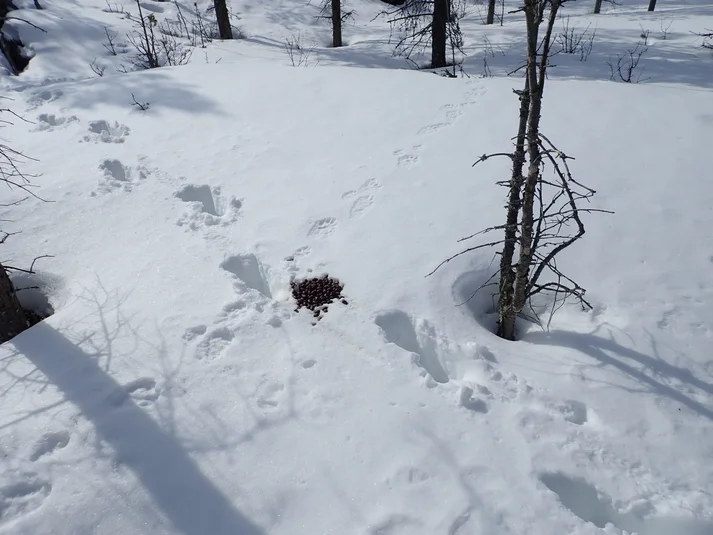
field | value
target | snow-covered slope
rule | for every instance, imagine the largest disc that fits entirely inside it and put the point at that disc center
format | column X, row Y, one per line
column 176, row 391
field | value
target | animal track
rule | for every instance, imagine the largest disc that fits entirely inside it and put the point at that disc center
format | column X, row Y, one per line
column 208, row 206
column 322, row 227
column 142, row 391
column 20, row 494
column 573, row 411
column 270, row 395
column 364, row 197
column 120, row 176
column 370, row 185
column 214, row 343
column 361, row 205
column 398, row 328
column 408, row 160
column 397, row 525
column 106, row 132
column 249, row 272
column 432, row 128
column 469, row 402
column 473, row 93
column 406, row 476
column 454, row 111
column 192, row 332
column 49, row 443
column 46, row 122
column 48, row 95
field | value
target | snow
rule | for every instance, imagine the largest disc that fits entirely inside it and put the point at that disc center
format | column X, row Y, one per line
column 176, row 391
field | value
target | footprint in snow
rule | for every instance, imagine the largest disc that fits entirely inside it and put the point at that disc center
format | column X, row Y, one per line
column 591, row 505
column 454, row 111
column 400, row 329
column 572, row 411
column 102, row 131
column 20, row 494
column 142, row 391
column 49, row 443
column 475, row 404
column 270, row 396
column 43, row 97
column 47, row 122
column 214, row 343
column 363, row 196
column 432, row 128
column 322, row 227
column 208, row 208
column 397, row 525
column 118, row 176
column 249, row 272
column 193, row 332
column 292, row 261
column 408, row 159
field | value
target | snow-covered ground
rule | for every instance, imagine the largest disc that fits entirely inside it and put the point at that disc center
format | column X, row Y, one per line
column 176, row 391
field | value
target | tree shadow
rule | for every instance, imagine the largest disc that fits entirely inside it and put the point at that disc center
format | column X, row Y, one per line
column 477, row 291
column 652, row 372
column 676, row 58
column 71, row 59
column 192, row 503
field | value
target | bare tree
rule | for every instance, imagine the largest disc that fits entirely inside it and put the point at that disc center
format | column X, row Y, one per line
column 223, row 18
column 597, row 7
column 652, row 5
column 336, row 23
column 421, row 23
column 334, row 12
column 542, row 212
column 144, row 41
column 13, row 318
column 491, row 12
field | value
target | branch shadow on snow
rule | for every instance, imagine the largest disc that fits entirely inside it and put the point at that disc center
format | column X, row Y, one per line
column 184, row 494
column 679, row 58
column 652, row 372
column 157, row 87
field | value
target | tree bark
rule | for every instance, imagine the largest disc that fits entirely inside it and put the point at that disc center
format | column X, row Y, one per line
column 12, row 316
column 506, row 309
column 652, row 5
column 491, row 12
column 439, row 31
column 597, row 7
column 336, row 23
column 515, row 282
column 223, row 17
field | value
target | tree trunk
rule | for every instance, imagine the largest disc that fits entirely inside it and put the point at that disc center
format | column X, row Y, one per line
column 652, row 5
column 597, row 7
column 336, row 23
column 491, row 12
column 12, row 316
column 439, row 33
column 515, row 283
column 223, row 17
column 506, row 309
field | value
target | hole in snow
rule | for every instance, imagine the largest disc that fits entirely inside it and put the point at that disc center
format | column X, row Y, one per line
column 201, row 194
column 247, row 269
column 115, row 169
column 481, row 303
column 398, row 329
column 587, row 503
column 33, row 291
